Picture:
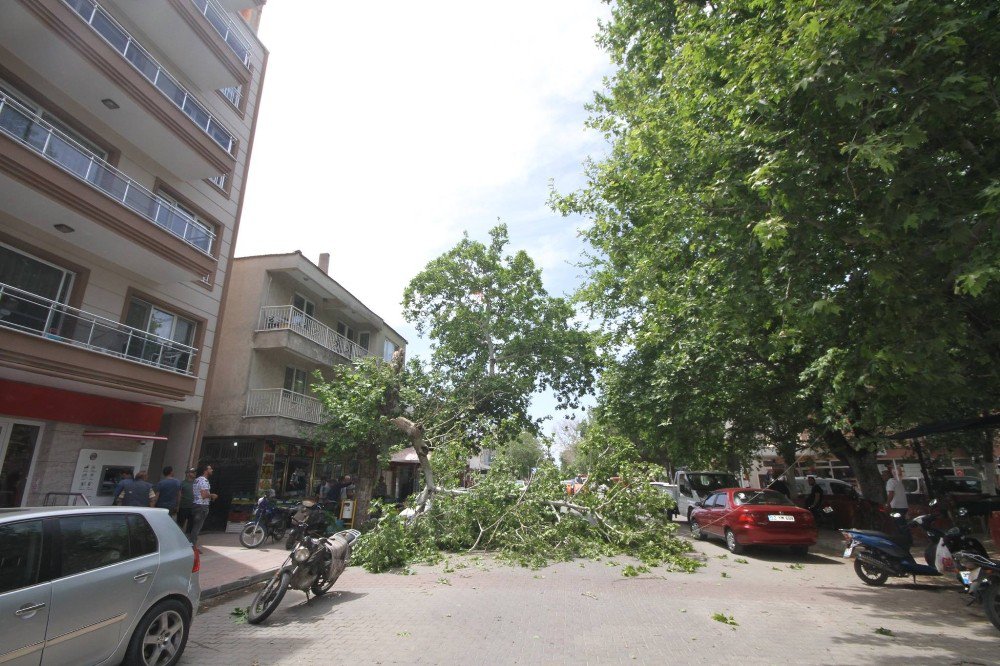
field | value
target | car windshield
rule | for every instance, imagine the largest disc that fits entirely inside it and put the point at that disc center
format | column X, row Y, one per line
column 706, row 483
column 765, row 497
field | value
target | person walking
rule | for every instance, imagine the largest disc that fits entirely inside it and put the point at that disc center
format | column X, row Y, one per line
column 168, row 492
column 203, row 497
column 814, row 500
column 139, row 492
column 185, row 509
column 896, row 502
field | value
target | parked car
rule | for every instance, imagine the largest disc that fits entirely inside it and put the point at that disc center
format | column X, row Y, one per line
column 95, row 585
column 689, row 488
column 753, row 517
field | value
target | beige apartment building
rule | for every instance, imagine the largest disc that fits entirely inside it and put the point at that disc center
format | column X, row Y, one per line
column 126, row 130
column 284, row 319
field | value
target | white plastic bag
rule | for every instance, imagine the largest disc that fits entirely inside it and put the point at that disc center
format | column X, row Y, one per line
column 943, row 560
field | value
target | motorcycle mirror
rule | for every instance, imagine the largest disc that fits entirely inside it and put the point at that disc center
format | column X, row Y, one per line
column 896, row 514
column 963, row 511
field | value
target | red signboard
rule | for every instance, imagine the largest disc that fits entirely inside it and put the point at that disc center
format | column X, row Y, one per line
column 50, row 404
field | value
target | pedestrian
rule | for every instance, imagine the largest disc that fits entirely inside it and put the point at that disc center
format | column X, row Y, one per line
column 168, row 492
column 185, row 509
column 780, row 486
column 814, row 500
column 139, row 492
column 203, row 497
column 124, row 481
column 896, row 502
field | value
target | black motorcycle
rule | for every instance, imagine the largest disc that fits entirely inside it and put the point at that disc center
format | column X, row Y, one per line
column 313, row 566
column 983, row 581
column 309, row 518
column 269, row 520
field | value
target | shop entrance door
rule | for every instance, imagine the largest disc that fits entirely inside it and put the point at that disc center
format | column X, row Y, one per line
column 17, row 451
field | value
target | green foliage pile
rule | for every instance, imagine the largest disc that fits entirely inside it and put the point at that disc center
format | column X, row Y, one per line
column 626, row 516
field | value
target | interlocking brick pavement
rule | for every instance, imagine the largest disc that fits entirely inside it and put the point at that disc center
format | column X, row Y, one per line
column 586, row 612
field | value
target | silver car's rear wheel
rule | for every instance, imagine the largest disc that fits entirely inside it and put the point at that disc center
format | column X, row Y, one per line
column 160, row 636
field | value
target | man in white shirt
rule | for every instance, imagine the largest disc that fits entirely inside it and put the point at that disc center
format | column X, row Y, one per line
column 203, row 497
column 896, row 501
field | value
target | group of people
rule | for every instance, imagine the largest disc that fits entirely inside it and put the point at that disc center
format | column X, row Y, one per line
column 187, row 501
column 336, row 491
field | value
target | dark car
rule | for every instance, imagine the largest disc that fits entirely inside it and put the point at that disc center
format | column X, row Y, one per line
column 753, row 517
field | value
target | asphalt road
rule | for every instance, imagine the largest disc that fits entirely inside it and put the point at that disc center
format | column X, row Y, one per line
column 473, row 610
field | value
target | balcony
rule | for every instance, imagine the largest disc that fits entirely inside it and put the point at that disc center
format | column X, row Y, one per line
column 277, row 318
column 285, row 403
column 119, row 39
column 100, row 75
column 20, row 124
column 191, row 38
column 41, row 317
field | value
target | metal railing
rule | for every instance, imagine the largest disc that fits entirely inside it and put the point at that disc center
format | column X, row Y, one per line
column 234, row 94
column 277, row 317
column 120, row 40
column 25, row 126
column 64, row 498
column 282, row 402
column 230, row 33
column 42, row 317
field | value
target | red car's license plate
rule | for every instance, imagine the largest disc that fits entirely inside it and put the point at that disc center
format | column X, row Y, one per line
column 781, row 519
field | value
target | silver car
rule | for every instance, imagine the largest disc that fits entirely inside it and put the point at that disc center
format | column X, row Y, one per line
column 94, row 585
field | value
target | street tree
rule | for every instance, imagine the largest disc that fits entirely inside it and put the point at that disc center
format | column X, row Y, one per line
column 797, row 228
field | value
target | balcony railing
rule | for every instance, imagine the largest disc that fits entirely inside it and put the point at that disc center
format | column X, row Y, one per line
column 282, row 402
column 230, row 33
column 277, row 317
column 42, row 317
column 120, row 40
column 24, row 126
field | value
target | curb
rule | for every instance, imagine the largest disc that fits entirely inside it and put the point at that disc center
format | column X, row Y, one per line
column 238, row 584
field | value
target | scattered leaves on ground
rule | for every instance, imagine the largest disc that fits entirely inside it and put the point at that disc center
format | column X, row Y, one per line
column 740, row 560
column 628, row 571
column 724, row 619
column 239, row 615
column 589, row 594
column 796, row 566
column 444, row 581
column 725, row 575
column 882, row 631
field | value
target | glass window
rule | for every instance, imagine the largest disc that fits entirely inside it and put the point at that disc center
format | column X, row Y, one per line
column 15, row 463
column 20, row 554
column 141, row 535
column 388, row 349
column 160, row 322
column 300, row 302
column 761, row 497
column 91, row 542
column 36, row 277
column 346, row 331
column 296, row 381
column 364, row 339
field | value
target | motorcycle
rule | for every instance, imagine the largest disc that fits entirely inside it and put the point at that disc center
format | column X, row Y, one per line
column 309, row 518
column 313, row 566
column 269, row 520
column 880, row 555
column 983, row 582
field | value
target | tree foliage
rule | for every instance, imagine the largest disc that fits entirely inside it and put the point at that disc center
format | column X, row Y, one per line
column 798, row 225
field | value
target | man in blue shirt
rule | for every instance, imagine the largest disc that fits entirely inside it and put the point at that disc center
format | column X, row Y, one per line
column 168, row 492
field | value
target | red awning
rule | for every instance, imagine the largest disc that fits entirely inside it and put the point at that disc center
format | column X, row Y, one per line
column 124, row 435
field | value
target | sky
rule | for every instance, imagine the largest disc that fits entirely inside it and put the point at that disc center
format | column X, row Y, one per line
column 387, row 129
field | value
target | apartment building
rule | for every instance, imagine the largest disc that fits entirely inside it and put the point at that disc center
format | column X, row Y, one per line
column 126, row 129
column 284, row 319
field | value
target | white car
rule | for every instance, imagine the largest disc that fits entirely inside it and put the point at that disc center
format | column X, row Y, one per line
column 95, row 585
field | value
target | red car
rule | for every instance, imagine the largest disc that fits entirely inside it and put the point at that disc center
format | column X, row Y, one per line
column 753, row 517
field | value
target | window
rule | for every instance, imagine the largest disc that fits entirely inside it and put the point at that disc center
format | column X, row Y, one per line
column 163, row 324
column 296, row 380
column 300, row 302
column 91, row 542
column 388, row 349
column 188, row 225
column 761, row 497
column 20, row 554
column 364, row 340
column 142, row 538
column 346, row 331
column 32, row 275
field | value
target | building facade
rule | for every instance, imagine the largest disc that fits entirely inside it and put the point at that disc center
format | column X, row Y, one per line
column 125, row 137
column 284, row 319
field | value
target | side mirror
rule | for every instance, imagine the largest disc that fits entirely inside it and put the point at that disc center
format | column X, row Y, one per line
column 699, row 504
column 933, row 502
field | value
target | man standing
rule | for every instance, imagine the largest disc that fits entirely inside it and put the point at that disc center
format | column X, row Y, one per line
column 185, row 511
column 124, row 481
column 139, row 492
column 895, row 494
column 814, row 500
column 168, row 492
column 203, row 497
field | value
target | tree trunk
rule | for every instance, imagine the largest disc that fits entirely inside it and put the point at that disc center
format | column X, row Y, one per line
column 863, row 462
column 367, row 477
column 789, row 452
column 415, row 434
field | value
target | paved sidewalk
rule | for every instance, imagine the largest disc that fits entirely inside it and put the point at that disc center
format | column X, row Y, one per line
column 226, row 565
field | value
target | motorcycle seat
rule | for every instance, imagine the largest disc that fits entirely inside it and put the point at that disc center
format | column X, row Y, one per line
column 895, row 538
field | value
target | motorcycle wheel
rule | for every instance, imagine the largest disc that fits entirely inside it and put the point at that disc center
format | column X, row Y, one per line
column 253, row 535
column 991, row 601
column 268, row 598
column 868, row 574
column 321, row 586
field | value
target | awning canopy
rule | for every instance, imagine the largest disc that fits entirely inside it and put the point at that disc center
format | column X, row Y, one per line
column 406, row 457
column 124, row 435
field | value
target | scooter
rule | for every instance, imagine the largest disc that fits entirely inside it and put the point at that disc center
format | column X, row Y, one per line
column 880, row 555
column 983, row 582
column 269, row 520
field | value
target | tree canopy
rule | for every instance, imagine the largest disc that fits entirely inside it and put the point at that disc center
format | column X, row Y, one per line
column 798, row 225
